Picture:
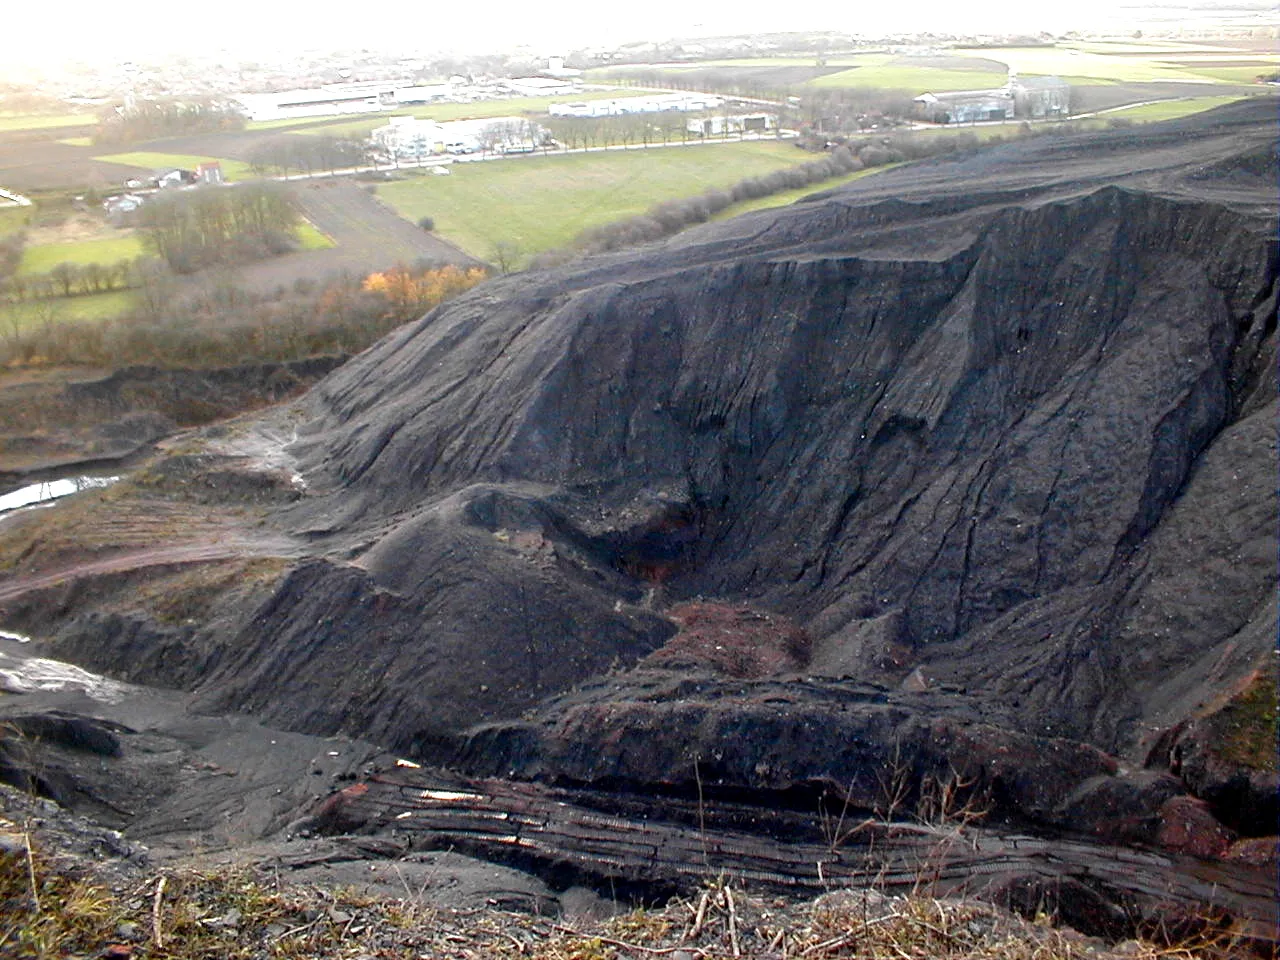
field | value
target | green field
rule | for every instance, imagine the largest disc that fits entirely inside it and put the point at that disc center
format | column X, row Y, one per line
column 542, row 203
column 35, row 121
column 99, row 306
column 515, row 106
column 1168, row 109
column 46, row 256
column 309, row 238
column 1233, row 74
column 231, row 169
column 78, row 141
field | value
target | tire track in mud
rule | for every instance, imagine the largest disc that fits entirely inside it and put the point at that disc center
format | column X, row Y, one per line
column 206, row 551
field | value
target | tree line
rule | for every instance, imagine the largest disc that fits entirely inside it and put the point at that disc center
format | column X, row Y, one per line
column 150, row 119
column 305, row 154
column 76, row 279
column 671, row 216
column 212, row 322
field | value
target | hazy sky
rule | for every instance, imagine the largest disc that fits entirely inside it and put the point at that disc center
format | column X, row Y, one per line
column 77, row 28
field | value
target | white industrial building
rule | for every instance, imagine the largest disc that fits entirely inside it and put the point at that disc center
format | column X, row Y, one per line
column 339, row 98
column 538, row 86
column 408, row 138
column 318, row 102
column 654, row 103
column 718, row 126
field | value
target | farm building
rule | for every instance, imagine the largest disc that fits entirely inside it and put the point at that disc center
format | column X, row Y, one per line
column 966, row 106
column 1031, row 99
column 209, row 173
column 741, row 123
column 1038, row 97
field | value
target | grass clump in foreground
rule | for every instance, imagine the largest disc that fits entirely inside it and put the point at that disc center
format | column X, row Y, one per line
column 60, row 905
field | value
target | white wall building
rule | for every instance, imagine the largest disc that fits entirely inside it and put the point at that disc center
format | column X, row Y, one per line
column 654, row 103
column 718, row 126
column 406, row 138
column 318, row 102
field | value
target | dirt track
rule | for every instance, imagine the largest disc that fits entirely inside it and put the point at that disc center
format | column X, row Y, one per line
column 369, row 237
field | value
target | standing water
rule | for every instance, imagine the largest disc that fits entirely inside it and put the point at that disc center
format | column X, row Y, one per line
column 51, row 490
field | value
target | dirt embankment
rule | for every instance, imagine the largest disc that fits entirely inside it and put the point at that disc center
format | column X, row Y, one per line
column 56, row 420
column 973, row 459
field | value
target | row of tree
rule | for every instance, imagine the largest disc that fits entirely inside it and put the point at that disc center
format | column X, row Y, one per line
column 76, row 279
column 672, row 216
column 150, row 119
column 628, row 129
column 294, row 154
column 215, row 323
column 191, row 230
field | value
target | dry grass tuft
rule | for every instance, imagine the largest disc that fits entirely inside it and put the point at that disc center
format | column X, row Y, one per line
column 54, row 907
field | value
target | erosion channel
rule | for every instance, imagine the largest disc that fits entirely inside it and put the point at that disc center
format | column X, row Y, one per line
column 922, row 530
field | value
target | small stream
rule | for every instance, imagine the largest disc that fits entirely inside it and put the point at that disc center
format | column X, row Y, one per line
column 45, row 491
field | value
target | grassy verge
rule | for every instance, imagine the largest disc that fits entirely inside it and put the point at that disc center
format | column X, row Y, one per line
column 310, row 238
column 542, row 203
column 1168, row 109
column 46, row 256
column 144, row 160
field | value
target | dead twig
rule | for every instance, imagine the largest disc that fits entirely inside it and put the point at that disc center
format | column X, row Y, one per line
column 733, row 923
column 292, row 931
column 699, row 916
column 155, row 913
column 31, row 868
column 623, row 944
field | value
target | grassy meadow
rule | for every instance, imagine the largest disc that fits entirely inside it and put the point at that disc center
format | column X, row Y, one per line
column 542, row 203
column 93, row 307
column 44, row 257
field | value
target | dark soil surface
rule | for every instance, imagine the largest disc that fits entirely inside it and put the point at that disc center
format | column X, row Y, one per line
column 967, row 469
column 34, row 160
column 1086, row 98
